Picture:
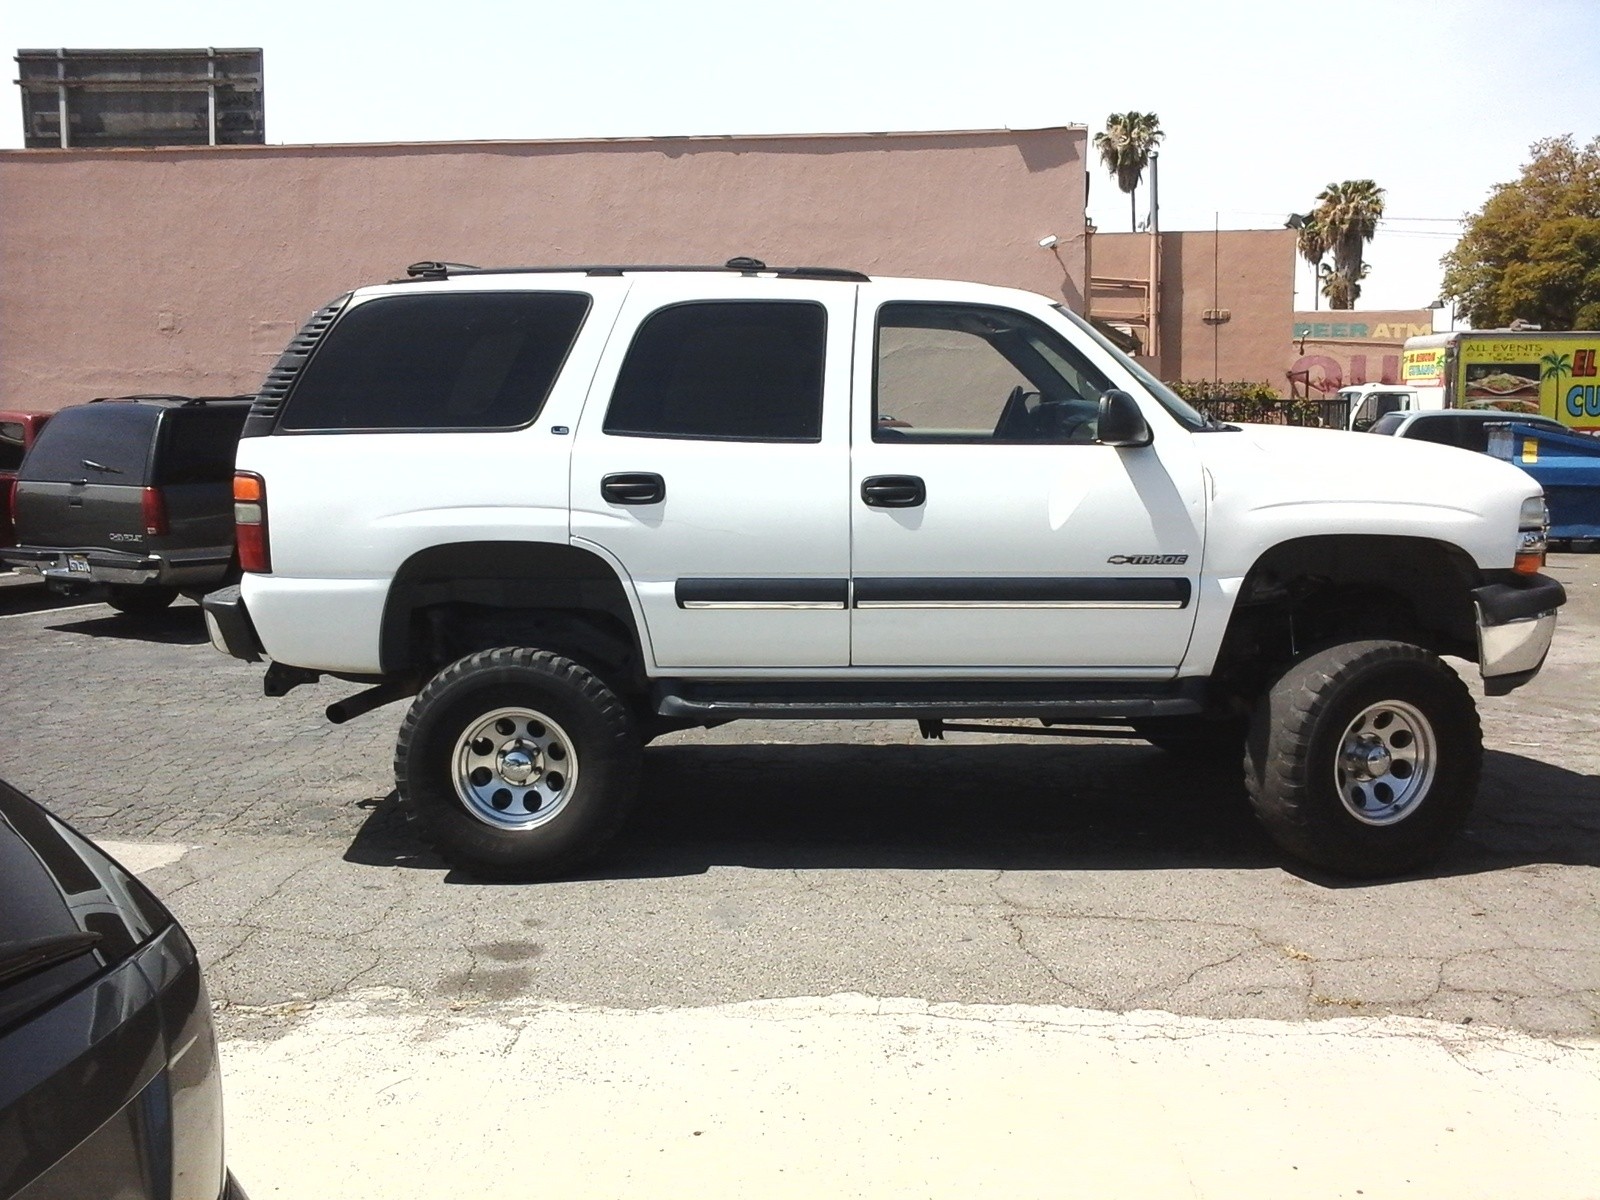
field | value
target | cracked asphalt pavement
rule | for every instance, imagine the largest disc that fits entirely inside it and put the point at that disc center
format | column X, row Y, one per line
column 775, row 861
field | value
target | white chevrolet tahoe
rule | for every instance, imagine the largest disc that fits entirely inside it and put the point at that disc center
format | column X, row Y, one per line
column 570, row 509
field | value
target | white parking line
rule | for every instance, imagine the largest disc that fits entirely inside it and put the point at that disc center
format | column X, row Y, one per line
column 43, row 612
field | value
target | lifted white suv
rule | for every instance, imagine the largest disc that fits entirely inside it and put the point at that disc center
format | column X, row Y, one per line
column 570, row 509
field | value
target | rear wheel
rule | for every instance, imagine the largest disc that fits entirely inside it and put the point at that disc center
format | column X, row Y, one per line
column 517, row 763
column 136, row 600
column 1365, row 758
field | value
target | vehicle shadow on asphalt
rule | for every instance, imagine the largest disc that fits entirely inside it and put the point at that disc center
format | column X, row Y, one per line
column 182, row 625
column 1000, row 807
column 20, row 596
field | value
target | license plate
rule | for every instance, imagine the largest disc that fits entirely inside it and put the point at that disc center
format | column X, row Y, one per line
column 78, row 564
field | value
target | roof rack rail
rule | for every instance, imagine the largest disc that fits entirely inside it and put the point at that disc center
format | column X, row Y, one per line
column 173, row 397
column 429, row 270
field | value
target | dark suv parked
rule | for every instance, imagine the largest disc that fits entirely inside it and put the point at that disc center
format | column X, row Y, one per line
column 1466, row 428
column 135, row 493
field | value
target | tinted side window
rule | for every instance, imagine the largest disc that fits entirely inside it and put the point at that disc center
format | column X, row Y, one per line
column 116, row 436
column 1444, row 433
column 199, row 445
column 738, row 371
column 483, row 360
column 10, row 445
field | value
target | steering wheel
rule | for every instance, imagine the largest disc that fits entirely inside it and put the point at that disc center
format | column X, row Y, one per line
column 1014, row 423
column 1063, row 421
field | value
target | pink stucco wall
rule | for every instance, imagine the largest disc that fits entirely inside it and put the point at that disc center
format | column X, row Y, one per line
column 188, row 269
column 1247, row 273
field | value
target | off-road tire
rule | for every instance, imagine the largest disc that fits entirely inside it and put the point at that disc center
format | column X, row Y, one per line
column 1307, row 731
column 139, row 600
column 1211, row 743
column 593, row 730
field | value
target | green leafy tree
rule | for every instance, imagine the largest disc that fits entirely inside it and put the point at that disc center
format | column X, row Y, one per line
column 1125, row 148
column 1347, row 214
column 1533, row 250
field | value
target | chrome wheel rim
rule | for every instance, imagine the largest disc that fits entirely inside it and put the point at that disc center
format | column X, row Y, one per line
column 514, row 768
column 1386, row 762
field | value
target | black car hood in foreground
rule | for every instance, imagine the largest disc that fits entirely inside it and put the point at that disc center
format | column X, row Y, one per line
column 109, row 1080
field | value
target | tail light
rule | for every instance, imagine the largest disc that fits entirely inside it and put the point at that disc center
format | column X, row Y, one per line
column 250, row 522
column 153, row 512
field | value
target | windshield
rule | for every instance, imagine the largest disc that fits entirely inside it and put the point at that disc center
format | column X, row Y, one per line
column 1165, row 396
column 1387, row 423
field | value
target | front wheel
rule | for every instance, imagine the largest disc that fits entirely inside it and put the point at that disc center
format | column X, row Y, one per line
column 517, row 763
column 1365, row 758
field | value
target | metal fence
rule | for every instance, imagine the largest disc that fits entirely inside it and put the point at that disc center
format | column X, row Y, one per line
column 1331, row 413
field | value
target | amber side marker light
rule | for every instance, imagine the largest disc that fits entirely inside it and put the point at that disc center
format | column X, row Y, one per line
column 1533, row 536
column 250, row 522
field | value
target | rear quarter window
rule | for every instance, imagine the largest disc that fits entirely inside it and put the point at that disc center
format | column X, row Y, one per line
column 480, row 360
column 198, row 445
column 117, row 437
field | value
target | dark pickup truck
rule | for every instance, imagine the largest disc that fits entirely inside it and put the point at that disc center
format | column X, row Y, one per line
column 132, row 492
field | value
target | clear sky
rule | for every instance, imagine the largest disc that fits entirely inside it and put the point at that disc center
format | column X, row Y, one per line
column 1263, row 102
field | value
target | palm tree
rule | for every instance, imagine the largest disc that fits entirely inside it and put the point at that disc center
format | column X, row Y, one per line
column 1348, row 215
column 1341, row 290
column 1312, row 243
column 1555, row 366
column 1125, row 149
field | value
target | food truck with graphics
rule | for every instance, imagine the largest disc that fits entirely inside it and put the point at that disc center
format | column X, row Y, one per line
column 1520, row 372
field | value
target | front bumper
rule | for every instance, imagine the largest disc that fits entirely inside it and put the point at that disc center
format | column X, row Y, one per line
column 1516, row 620
column 228, row 623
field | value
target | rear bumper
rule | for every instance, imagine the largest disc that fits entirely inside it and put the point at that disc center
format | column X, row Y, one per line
column 1516, row 620
column 90, row 566
column 229, row 625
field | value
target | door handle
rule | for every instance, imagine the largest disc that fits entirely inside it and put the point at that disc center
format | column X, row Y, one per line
column 634, row 487
column 893, row 491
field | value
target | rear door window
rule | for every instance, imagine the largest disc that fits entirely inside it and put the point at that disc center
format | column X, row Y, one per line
column 102, row 443
column 725, row 371
column 477, row 360
column 1458, row 432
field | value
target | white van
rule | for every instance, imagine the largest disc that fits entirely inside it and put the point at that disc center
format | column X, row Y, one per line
column 1368, row 401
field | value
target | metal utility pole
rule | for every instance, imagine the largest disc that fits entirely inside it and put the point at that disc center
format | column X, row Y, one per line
column 1153, row 300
